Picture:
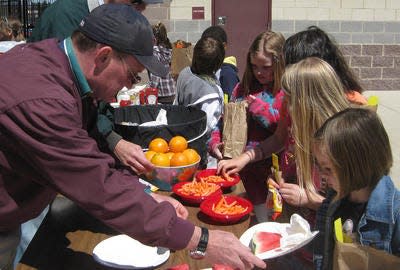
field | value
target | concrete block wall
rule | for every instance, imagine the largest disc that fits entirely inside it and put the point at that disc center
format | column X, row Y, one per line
column 367, row 31
column 176, row 15
column 371, row 48
column 364, row 10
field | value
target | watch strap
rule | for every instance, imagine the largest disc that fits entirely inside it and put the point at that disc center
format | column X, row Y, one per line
column 202, row 246
column 200, row 251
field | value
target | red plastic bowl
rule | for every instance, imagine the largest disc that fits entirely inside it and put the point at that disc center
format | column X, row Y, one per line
column 191, row 198
column 224, row 184
column 206, row 208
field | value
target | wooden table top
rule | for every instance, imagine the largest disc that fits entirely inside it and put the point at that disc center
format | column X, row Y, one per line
column 67, row 236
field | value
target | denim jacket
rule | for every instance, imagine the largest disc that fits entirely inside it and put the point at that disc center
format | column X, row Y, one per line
column 379, row 226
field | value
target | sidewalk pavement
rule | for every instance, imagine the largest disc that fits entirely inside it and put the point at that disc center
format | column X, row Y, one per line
column 389, row 111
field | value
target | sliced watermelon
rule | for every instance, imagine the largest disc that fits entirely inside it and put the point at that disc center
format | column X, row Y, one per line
column 264, row 241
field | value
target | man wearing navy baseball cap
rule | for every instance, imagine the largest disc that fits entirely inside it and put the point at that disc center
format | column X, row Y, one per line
column 45, row 148
column 125, row 31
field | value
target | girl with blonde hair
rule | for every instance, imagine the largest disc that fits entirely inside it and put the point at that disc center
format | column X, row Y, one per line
column 261, row 88
column 313, row 93
column 312, row 42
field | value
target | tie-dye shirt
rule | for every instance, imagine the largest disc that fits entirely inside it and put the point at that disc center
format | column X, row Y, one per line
column 263, row 116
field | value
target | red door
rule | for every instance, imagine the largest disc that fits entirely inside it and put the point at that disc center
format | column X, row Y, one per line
column 242, row 21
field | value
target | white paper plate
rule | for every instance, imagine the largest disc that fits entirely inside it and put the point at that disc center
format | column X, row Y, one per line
column 273, row 227
column 124, row 252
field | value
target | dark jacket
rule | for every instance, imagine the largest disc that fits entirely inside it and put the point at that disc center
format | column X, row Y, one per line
column 59, row 19
column 45, row 149
column 228, row 76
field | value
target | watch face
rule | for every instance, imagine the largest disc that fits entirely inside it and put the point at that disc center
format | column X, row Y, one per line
column 197, row 254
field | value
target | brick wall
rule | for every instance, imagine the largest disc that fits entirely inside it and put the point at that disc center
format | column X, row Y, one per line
column 182, row 26
column 350, row 10
column 371, row 48
column 367, row 31
column 378, row 66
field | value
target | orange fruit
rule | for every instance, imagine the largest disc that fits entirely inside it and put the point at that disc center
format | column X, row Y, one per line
column 160, row 159
column 178, row 144
column 179, row 159
column 191, row 155
column 170, row 154
column 158, row 145
column 149, row 154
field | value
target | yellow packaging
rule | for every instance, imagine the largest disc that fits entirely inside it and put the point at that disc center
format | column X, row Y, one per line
column 274, row 202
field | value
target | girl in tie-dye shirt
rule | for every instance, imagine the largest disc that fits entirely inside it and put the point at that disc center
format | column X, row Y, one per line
column 261, row 88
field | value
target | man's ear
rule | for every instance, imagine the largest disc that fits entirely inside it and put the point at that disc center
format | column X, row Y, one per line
column 103, row 58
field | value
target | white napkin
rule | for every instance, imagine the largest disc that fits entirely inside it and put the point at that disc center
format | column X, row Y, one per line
column 121, row 250
column 297, row 231
column 160, row 120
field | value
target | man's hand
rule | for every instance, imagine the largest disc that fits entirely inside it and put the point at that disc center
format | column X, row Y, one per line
column 132, row 155
column 181, row 211
column 225, row 248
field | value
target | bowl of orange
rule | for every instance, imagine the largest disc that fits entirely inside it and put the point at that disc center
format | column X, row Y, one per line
column 173, row 162
column 196, row 192
column 226, row 208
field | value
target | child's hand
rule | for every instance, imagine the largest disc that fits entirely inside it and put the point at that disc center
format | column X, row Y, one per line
column 293, row 194
column 271, row 182
column 231, row 166
column 250, row 99
column 216, row 151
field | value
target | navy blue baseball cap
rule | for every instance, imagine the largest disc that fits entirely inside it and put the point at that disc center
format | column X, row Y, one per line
column 126, row 30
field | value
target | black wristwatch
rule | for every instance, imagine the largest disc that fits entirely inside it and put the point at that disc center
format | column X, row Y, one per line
column 200, row 251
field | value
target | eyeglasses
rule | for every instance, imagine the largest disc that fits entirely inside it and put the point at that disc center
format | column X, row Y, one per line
column 133, row 77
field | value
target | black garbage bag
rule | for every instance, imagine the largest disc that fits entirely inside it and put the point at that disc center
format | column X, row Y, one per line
column 190, row 123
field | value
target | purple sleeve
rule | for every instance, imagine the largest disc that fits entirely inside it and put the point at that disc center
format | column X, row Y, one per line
column 66, row 159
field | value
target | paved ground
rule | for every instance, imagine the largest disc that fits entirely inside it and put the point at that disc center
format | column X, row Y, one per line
column 389, row 111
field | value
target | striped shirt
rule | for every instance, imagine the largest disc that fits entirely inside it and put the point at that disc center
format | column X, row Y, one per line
column 166, row 86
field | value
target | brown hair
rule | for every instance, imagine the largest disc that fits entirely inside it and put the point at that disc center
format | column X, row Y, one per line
column 208, row 56
column 5, row 30
column 11, row 29
column 267, row 43
column 83, row 42
column 17, row 29
column 357, row 144
column 160, row 34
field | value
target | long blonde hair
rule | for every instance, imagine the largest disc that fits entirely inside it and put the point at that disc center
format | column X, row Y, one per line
column 314, row 94
column 267, row 43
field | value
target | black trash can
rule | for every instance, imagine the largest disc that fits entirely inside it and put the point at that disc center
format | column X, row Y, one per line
column 190, row 123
